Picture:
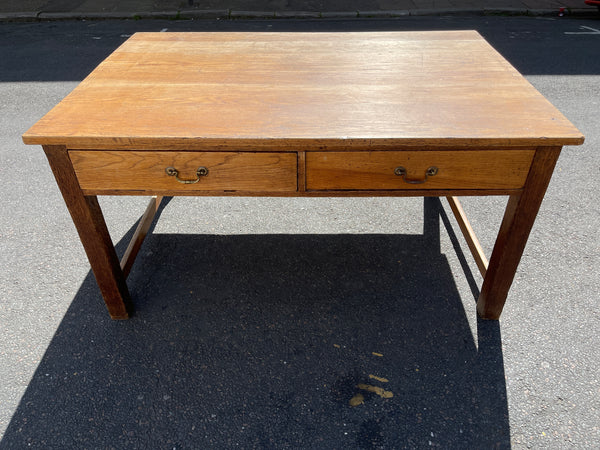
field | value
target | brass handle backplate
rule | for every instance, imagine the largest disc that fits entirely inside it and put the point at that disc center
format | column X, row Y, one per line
column 401, row 172
column 173, row 172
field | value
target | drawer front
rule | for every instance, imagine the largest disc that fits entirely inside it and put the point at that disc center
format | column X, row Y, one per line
column 381, row 170
column 225, row 171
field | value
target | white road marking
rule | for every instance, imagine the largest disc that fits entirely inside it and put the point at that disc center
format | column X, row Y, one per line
column 593, row 31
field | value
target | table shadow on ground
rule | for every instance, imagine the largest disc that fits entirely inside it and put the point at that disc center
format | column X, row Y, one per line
column 262, row 341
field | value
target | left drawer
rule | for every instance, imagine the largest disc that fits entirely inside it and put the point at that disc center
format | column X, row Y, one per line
column 108, row 171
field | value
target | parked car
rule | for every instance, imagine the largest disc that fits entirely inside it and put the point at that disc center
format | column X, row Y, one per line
column 593, row 3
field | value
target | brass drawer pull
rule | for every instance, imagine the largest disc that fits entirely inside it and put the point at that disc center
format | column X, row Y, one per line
column 401, row 172
column 173, row 172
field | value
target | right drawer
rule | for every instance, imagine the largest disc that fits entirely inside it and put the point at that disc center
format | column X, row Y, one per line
column 393, row 170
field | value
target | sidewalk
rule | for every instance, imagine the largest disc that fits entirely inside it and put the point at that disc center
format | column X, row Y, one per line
column 219, row 9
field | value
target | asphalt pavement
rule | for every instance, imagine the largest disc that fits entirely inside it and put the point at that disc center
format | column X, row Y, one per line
column 257, row 319
column 219, row 9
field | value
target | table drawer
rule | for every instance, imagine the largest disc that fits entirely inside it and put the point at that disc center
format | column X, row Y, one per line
column 401, row 170
column 187, row 171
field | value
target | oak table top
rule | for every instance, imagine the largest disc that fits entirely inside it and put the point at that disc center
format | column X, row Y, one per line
column 430, row 113
column 367, row 90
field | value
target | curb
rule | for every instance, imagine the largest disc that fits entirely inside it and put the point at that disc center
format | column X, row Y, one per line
column 194, row 14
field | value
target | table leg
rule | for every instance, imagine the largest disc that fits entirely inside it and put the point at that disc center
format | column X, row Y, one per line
column 89, row 221
column 518, row 220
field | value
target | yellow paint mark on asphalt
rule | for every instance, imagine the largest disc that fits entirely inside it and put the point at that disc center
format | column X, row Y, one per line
column 358, row 399
column 376, row 390
column 377, row 354
column 383, row 380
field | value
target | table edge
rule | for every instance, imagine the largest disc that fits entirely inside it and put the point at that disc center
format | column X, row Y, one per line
column 295, row 144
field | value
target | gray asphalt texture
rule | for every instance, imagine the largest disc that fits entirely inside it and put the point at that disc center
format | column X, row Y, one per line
column 227, row 9
column 256, row 319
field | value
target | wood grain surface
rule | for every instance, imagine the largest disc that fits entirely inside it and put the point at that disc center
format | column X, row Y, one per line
column 303, row 91
column 517, row 222
column 491, row 169
column 139, row 171
column 93, row 232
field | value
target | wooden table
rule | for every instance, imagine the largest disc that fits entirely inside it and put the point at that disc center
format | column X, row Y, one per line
column 309, row 115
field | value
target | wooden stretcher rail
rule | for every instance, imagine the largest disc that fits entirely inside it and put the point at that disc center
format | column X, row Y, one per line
column 470, row 236
column 140, row 234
